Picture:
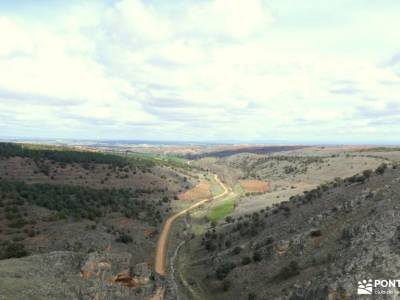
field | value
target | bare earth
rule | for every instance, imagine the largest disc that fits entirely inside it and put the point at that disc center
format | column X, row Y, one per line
column 201, row 190
column 162, row 241
column 254, row 186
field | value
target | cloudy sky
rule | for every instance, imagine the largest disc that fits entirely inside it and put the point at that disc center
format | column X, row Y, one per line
column 223, row 70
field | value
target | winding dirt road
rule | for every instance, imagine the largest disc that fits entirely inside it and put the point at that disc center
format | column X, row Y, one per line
column 161, row 251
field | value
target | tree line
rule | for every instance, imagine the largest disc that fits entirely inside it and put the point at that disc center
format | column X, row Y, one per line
column 64, row 155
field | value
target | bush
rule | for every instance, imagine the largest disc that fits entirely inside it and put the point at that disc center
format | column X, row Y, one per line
column 316, row 233
column 229, row 219
column 226, row 285
column 17, row 223
column 210, row 246
column 124, row 238
column 257, row 257
column 381, row 169
column 223, row 270
column 252, row 296
column 367, row 173
column 357, row 179
column 14, row 250
column 236, row 250
column 246, row 260
column 269, row 240
column 289, row 271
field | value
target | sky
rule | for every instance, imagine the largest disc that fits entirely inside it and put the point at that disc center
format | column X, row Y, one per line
column 287, row 71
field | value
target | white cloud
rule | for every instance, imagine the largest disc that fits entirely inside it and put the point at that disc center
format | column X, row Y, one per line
column 232, row 19
column 13, row 39
column 201, row 70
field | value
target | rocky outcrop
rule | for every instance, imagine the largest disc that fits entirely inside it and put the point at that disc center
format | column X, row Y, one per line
column 70, row 275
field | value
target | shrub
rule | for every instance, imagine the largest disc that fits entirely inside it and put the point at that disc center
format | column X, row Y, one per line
column 289, row 271
column 316, row 233
column 246, row 260
column 367, row 173
column 229, row 219
column 210, row 246
column 226, row 285
column 269, row 240
column 357, row 178
column 17, row 223
column 257, row 257
column 381, row 169
column 124, row 238
column 236, row 250
column 14, row 250
column 252, row 296
column 223, row 270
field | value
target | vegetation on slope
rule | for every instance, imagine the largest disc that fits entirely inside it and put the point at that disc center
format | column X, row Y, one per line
column 289, row 238
column 222, row 209
column 77, row 202
column 65, row 155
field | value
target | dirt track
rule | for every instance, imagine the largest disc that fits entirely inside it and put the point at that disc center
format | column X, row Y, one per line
column 163, row 239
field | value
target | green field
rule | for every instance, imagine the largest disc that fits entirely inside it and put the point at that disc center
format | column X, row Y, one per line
column 222, row 209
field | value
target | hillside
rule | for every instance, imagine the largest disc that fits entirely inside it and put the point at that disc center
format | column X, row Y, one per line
column 98, row 212
column 286, row 174
column 326, row 221
column 314, row 246
column 297, row 224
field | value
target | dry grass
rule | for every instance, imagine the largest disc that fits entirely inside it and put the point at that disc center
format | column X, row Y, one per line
column 254, row 186
column 200, row 191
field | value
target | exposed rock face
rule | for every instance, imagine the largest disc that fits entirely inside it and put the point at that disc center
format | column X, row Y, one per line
column 328, row 242
column 69, row 275
column 369, row 247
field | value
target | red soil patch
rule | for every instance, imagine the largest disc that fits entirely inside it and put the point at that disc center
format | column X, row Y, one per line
column 200, row 191
column 254, row 186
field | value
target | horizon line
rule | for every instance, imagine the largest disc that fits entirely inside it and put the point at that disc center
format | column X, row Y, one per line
column 202, row 142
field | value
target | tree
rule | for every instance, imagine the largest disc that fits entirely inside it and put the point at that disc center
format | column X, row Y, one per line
column 223, row 270
column 124, row 238
column 316, row 233
column 257, row 257
column 210, row 246
column 14, row 250
column 236, row 250
column 246, row 260
column 229, row 219
column 367, row 173
column 381, row 169
column 252, row 296
column 290, row 270
column 226, row 285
